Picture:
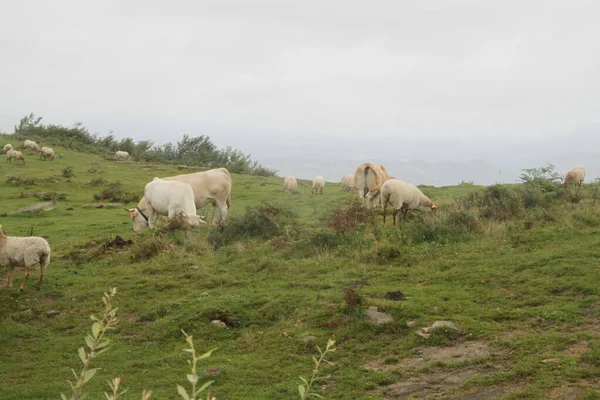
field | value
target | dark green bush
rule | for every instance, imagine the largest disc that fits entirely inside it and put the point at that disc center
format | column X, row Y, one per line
column 266, row 221
column 115, row 193
column 67, row 172
column 496, row 202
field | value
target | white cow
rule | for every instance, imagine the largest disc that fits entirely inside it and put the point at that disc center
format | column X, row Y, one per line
column 368, row 179
column 212, row 186
column 170, row 198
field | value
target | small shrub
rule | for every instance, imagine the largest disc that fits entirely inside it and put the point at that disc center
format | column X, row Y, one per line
column 543, row 178
column 498, row 202
column 51, row 196
column 148, row 248
column 68, row 172
column 114, row 193
column 266, row 221
column 14, row 180
column 348, row 216
column 97, row 182
column 352, row 299
column 467, row 220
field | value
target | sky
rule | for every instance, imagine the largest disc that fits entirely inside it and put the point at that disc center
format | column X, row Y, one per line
column 319, row 86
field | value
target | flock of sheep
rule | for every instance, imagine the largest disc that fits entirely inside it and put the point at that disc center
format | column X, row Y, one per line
column 45, row 152
column 182, row 195
column 375, row 186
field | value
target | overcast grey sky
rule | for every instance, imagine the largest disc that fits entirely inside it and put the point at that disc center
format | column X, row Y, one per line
column 435, row 80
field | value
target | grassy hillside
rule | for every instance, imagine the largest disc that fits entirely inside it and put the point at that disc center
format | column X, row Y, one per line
column 516, row 270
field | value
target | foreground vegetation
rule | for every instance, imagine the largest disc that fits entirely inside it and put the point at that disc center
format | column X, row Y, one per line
column 513, row 266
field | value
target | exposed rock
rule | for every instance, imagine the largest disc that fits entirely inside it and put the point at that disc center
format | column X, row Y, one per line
column 36, row 208
column 194, row 268
column 551, row 361
column 219, row 324
column 308, row 339
column 424, row 332
column 53, row 313
column 377, row 317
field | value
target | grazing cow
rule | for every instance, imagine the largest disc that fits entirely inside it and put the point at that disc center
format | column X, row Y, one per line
column 170, row 199
column 368, row 179
column 212, row 186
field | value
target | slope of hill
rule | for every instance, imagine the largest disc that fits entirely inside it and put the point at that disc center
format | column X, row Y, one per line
column 515, row 269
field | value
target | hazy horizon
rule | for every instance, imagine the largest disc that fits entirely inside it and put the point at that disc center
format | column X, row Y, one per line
column 439, row 92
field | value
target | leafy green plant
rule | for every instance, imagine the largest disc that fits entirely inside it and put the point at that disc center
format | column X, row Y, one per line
column 67, row 172
column 305, row 388
column 95, row 344
column 193, row 376
column 545, row 178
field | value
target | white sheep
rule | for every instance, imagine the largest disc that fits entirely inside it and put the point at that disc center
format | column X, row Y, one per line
column 25, row 252
column 318, row 184
column 403, row 196
column 30, row 144
column 348, row 183
column 576, row 175
column 121, row 156
column 46, row 152
column 290, row 184
column 7, row 147
column 16, row 154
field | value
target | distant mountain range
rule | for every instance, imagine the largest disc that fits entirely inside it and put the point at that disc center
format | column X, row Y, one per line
column 436, row 173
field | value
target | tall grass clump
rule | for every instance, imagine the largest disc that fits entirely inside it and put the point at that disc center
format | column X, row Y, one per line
column 267, row 221
column 497, row 202
column 446, row 226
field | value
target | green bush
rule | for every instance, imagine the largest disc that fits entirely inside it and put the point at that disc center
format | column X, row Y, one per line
column 115, row 193
column 267, row 221
column 497, row 202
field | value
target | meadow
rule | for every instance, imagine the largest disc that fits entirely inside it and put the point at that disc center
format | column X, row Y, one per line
column 514, row 267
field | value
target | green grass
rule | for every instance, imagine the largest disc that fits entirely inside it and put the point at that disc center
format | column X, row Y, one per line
column 526, row 285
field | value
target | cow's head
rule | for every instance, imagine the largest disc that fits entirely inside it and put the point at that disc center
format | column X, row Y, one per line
column 194, row 220
column 140, row 221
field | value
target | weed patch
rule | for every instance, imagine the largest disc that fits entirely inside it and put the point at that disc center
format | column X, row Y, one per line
column 113, row 192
